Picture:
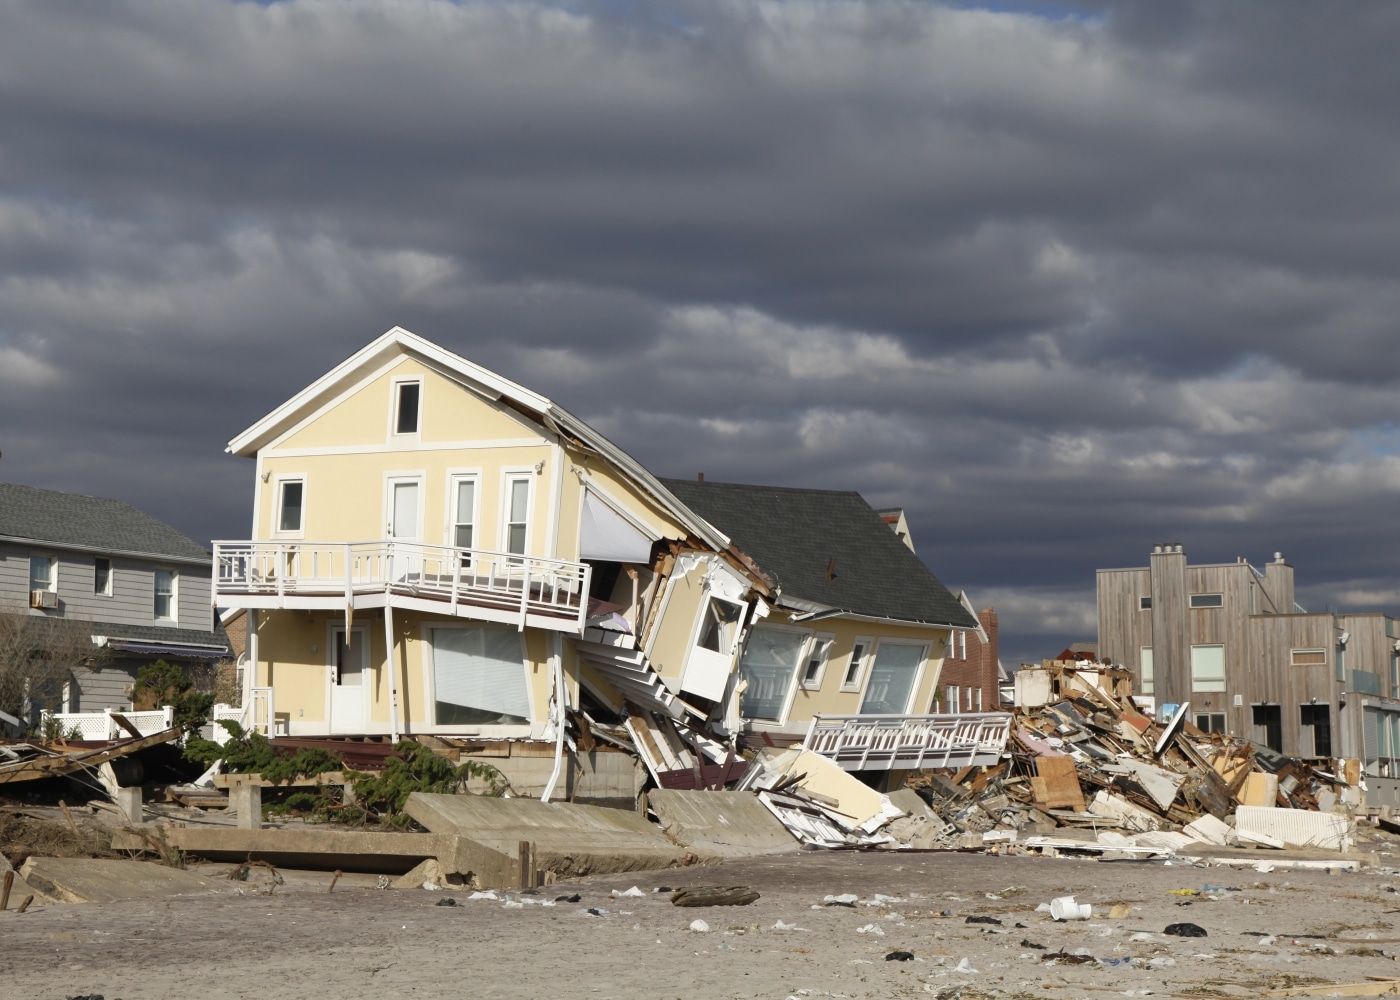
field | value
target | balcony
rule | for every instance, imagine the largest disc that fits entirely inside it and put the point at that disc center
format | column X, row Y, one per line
column 899, row 742
column 468, row 583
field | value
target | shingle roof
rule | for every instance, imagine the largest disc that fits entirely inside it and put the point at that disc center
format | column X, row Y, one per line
column 793, row 534
column 89, row 523
column 161, row 633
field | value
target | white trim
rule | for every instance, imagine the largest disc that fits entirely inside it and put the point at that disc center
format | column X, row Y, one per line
column 796, row 678
column 329, row 405
column 855, row 686
column 430, row 685
column 45, row 544
column 111, row 577
column 404, row 445
column 618, row 508
column 557, row 470
column 174, row 617
column 449, row 528
column 396, row 384
column 275, row 527
column 514, row 474
column 808, row 653
column 53, row 573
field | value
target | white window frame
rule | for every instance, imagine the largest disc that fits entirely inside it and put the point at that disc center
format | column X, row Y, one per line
column 1147, row 679
column 449, row 530
column 1316, row 650
column 278, row 482
column 111, row 572
column 815, row 650
column 962, row 645
column 854, row 682
column 395, row 390
column 1222, row 682
column 1206, row 607
column 174, row 615
column 514, row 475
column 793, row 683
column 952, row 695
column 430, row 681
column 918, row 673
column 1145, row 602
column 52, row 588
column 391, row 479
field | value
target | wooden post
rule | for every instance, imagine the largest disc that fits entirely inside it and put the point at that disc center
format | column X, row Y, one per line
column 69, row 817
column 25, row 905
column 5, row 889
column 526, row 850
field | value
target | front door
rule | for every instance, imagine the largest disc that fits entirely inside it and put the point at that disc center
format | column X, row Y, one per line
column 349, row 681
column 404, row 527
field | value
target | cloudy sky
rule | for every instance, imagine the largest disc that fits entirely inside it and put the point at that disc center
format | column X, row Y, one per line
column 1061, row 279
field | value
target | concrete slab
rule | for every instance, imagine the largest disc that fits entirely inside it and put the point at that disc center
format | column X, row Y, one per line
column 731, row 824
column 350, row 850
column 92, row 880
column 568, row 839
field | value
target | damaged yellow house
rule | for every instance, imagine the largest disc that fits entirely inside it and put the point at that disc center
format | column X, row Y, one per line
column 436, row 550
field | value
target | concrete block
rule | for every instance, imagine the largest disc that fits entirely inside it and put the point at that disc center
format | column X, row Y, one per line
column 129, row 810
column 913, row 805
column 732, row 824
column 1208, row 830
column 568, row 839
column 91, row 880
column 598, row 777
column 246, row 801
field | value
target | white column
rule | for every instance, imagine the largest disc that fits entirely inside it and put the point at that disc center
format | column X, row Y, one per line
column 250, row 672
column 391, row 662
column 556, row 661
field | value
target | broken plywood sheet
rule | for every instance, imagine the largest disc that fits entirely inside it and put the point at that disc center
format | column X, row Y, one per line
column 1056, row 784
column 92, row 880
column 1259, row 789
column 732, row 824
column 1159, row 784
column 852, row 799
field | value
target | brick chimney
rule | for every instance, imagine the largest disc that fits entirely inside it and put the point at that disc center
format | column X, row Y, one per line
column 991, row 698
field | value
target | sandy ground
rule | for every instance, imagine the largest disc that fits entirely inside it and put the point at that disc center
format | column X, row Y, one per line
column 361, row 941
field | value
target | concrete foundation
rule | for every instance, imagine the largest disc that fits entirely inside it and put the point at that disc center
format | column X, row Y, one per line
column 567, row 839
column 598, row 778
column 89, row 880
column 349, row 850
column 129, row 809
column 246, row 802
column 731, row 824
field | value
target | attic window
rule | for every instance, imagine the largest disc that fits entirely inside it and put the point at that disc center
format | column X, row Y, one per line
column 406, row 407
column 1207, row 600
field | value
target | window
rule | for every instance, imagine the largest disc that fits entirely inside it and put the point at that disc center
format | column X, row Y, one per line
column 1211, row 722
column 719, row 626
column 954, row 696
column 855, row 669
column 165, row 595
column 1145, row 669
column 479, row 677
column 962, row 645
column 517, row 515
column 102, row 577
column 408, row 397
column 1207, row 668
column 769, row 662
column 464, row 513
column 978, row 708
column 1207, row 600
column 289, row 504
column 1319, row 719
column 1309, row 657
column 41, row 573
column 1144, row 604
column 891, row 683
column 1394, row 675
column 816, row 661
column 1268, row 726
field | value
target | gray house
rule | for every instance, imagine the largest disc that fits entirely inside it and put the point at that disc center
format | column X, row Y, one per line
column 135, row 587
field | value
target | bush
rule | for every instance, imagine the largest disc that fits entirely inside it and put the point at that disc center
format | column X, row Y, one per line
column 162, row 683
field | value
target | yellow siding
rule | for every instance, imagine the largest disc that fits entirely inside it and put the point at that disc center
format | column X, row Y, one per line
column 676, row 624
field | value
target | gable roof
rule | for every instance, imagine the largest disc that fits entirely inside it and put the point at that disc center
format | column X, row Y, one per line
column 399, row 342
column 794, row 534
column 71, row 520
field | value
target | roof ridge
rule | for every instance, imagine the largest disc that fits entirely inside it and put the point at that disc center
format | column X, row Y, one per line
column 766, row 488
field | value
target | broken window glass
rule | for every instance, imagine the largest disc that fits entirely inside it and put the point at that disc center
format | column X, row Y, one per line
column 717, row 629
column 770, row 660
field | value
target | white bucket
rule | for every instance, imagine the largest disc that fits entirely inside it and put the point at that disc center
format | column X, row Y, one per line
column 1065, row 908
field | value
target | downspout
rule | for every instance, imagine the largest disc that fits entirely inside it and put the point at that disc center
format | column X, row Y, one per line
column 556, row 656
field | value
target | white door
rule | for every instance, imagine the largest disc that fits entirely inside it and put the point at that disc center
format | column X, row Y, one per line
column 349, row 681
column 404, row 527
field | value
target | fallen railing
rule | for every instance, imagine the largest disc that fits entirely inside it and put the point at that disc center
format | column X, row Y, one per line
column 102, row 725
column 889, row 742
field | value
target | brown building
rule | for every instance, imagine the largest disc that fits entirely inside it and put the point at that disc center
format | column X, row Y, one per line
column 971, row 677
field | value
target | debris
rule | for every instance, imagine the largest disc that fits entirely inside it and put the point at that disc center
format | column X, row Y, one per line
column 845, row 899
column 712, row 895
column 446, row 901
column 900, row 956
column 1185, row 930
column 982, row 920
column 1065, row 908
column 561, row 899
column 699, row 926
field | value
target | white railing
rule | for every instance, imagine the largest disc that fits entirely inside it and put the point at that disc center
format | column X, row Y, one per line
column 501, row 582
column 101, row 725
column 257, row 714
column 887, row 742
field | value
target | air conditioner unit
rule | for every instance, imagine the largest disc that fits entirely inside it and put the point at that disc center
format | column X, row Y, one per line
column 43, row 599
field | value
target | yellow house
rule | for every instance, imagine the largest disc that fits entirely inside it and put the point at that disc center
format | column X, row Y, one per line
column 436, row 550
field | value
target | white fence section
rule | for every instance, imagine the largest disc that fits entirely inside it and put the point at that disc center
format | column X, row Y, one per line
column 257, row 715
column 889, row 742
column 101, row 725
column 496, row 586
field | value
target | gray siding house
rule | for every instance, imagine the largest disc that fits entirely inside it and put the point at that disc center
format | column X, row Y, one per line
column 139, row 588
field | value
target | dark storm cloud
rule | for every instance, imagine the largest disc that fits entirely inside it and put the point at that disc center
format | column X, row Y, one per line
column 1061, row 279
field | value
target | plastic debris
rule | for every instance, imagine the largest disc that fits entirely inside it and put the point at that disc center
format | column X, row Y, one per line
column 634, row 891
column 1065, row 908
column 900, row 956
column 965, row 966
column 982, row 920
column 446, row 901
column 699, row 926
column 845, row 899
column 568, row 899
column 873, row 929
column 780, row 926
column 1185, row 930
column 488, row 894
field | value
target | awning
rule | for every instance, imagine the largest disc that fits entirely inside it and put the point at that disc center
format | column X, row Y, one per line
column 169, row 649
column 607, row 536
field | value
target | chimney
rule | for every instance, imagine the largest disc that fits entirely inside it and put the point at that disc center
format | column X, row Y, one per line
column 699, row 477
column 991, row 685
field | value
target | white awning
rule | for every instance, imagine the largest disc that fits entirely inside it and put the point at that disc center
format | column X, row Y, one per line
column 605, row 535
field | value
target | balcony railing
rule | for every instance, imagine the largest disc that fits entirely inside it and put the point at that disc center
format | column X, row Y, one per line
column 889, row 742
column 101, row 725
column 470, row 583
